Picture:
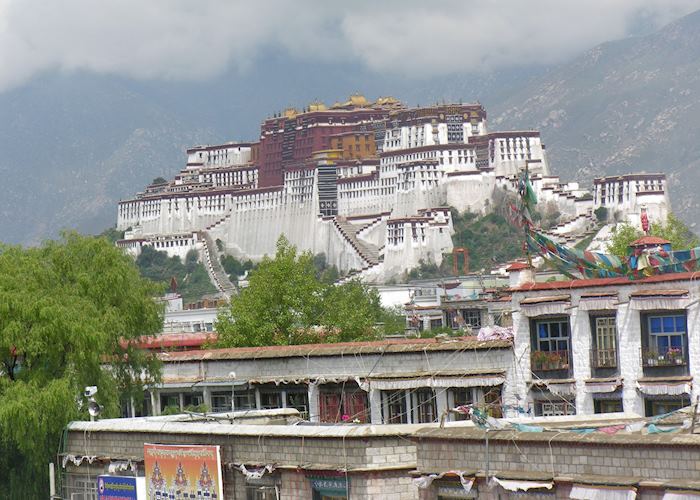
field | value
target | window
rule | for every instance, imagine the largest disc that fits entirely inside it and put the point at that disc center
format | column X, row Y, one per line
column 245, row 400
column 424, row 406
column 662, row 406
column 299, row 401
column 394, row 407
column 169, row 401
column 551, row 345
column 553, row 335
column 341, row 404
column 607, row 405
column 192, row 400
column 666, row 342
column 270, row 400
column 554, row 409
column 262, row 492
column 221, row 402
column 605, row 352
column 472, row 317
column 460, row 396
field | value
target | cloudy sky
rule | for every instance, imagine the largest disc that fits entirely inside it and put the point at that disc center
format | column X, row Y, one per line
column 191, row 40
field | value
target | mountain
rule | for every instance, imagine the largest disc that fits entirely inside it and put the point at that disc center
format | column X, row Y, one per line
column 624, row 106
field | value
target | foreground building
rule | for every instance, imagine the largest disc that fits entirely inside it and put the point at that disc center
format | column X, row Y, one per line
column 275, row 460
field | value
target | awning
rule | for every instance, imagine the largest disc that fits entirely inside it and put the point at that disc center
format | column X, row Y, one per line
column 597, row 386
column 565, row 389
column 664, row 388
column 647, row 300
column 598, row 302
column 602, row 492
column 681, row 495
column 522, row 485
column 540, row 306
column 437, row 382
column 302, row 379
column 562, row 387
column 425, row 481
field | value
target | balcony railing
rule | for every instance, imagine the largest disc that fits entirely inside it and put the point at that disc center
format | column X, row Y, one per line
column 550, row 360
column 668, row 356
column 604, row 358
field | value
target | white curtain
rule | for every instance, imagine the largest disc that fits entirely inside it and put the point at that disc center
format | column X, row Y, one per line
column 591, row 492
column 597, row 387
column 664, row 389
column 656, row 303
column 518, row 485
column 532, row 310
column 597, row 303
column 415, row 383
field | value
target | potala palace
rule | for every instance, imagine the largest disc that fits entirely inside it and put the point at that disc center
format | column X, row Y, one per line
column 369, row 184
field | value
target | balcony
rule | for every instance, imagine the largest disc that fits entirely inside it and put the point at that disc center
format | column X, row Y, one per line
column 668, row 356
column 604, row 358
column 550, row 360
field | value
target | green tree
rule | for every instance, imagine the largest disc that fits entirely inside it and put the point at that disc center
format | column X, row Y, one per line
column 286, row 302
column 68, row 310
column 191, row 276
column 673, row 230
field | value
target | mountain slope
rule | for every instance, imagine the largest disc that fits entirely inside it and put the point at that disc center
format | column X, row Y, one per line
column 629, row 105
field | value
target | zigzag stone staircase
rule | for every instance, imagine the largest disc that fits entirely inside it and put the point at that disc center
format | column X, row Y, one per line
column 368, row 252
column 216, row 272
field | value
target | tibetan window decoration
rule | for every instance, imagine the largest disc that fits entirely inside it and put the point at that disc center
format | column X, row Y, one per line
column 650, row 300
column 598, row 302
column 541, row 306
column 664, row 387
column 597, row 386
column 437, row 381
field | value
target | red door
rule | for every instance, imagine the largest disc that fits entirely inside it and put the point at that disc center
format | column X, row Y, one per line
column 329, row 403
column 355, row 405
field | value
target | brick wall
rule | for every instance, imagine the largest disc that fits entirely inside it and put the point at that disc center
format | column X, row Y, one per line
column 650, row 458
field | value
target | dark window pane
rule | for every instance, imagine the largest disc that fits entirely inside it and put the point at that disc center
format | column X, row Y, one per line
column 680, row 323
column 655, row 325
column 668, row 324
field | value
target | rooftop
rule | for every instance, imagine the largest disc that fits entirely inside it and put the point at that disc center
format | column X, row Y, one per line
column 649, row 240
column 595, row 282
column 337, row 349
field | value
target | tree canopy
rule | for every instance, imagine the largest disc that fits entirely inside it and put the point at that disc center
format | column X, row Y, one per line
column 67, row 312
column 286, row 302
column 191, row 276
column 673, row 230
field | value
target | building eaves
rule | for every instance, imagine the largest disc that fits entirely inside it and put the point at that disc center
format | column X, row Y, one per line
column 345, row 348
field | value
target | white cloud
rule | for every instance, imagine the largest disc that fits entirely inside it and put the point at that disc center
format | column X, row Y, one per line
column 183, row 39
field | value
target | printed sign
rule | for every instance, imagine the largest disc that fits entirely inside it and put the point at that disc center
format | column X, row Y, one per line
column 175, row 471
column 120, row 488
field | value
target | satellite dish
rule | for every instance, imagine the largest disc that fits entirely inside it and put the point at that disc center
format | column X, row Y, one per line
column 94, row 409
